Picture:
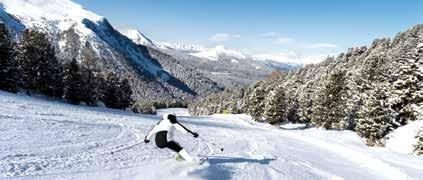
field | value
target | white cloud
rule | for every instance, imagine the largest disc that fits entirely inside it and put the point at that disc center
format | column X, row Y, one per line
column 284, row 40
column 269, row 34
column 322, row 45
column 222, row 37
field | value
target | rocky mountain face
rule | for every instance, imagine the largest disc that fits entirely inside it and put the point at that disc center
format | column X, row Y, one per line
column 371, row 90
column 155, row 77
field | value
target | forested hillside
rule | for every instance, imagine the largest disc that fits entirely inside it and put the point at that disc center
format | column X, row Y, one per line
column 371, row 90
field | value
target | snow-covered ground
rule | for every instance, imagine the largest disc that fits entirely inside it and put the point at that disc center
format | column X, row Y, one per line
column 40, row 139
column 402, row 139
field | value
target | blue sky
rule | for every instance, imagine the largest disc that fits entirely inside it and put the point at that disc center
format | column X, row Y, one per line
column 264, row 26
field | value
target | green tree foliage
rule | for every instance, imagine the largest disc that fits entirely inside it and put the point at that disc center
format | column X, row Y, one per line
column 8, row 66
column 256, row 102
column 118, row 94
column 329, row 110
column 375, row 118
column 73, row 83
column 41, row 70
column 275, row 110
column 408, row 85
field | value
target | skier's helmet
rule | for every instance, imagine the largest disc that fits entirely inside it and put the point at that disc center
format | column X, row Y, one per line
column 170, row 117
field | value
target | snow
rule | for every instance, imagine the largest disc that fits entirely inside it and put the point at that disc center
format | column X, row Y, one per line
column 181, row 47
column 234, row 61
column 293, row 126
column 138, row 37
column 57, row 16
column 34, row 12
column 220, row 73
column 42, row 139
column 176, row 111
column 402, row 139
column 219, row 51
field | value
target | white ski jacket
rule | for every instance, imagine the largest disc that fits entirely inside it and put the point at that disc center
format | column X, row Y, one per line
column 166, row 125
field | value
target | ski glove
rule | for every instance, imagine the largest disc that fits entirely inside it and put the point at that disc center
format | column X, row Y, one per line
column 195, row 135
column 146, row 141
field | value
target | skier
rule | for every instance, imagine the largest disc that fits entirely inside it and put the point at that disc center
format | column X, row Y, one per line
column 164, row 131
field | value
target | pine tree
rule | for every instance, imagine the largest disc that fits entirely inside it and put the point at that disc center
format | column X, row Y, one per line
column 305, row 104
column 118, row 94
column 41, row 70
column 256, row 102
column 125, row 100
column 275, row 110
column 329, row 109
column 8, row 65
column 73, row 82
column 94, row 81
column 408, row 86
column 375, row 117
column 418, row 147
column 292, row 103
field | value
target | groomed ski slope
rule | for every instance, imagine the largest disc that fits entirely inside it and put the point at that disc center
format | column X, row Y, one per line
column 40, row 139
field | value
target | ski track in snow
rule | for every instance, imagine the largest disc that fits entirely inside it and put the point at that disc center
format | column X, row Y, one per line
column 42, row 139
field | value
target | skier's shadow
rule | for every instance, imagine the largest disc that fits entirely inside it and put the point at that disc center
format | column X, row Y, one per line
column 215, row 160
column 219, row 170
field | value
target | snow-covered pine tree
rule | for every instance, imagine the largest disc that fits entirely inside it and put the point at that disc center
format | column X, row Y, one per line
column 305, row 104
column 41, row 71
column 375, row 118
column 275, row 110
column 418, row 147
column 292, row 104
column 329, row 107
column 256, row 101
column 408, row 85
column 72, row 83
column 8, row 65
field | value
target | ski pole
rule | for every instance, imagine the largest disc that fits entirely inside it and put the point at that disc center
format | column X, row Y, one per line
column 212, row 143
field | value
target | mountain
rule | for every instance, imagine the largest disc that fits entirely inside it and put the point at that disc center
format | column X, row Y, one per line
column 226, row 66
column 78, row 33
column 219, row 52
column 138, row 38
column 181, row 47
column 221, row 64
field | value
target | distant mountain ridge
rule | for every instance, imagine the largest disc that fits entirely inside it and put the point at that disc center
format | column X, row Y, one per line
column 227, row 66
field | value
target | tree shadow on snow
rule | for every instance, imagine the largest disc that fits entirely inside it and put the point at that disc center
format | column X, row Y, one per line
column 218, row 170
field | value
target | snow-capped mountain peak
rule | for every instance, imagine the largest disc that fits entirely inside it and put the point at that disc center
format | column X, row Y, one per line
column 48, row 10
column 70, row 26
column 138, row 37
column 50, row 16
column 220, row 51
